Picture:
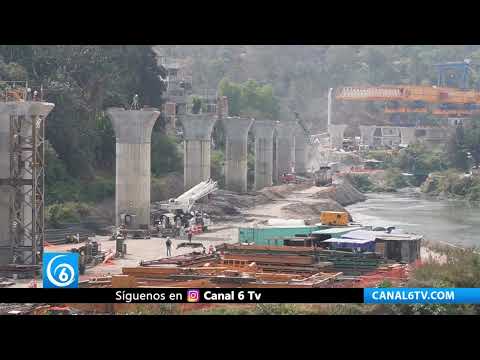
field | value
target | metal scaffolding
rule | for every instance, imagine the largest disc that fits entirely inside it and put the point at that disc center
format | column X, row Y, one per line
column 27, row 179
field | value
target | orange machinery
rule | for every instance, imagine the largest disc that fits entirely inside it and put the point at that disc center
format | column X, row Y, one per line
column 446, row 101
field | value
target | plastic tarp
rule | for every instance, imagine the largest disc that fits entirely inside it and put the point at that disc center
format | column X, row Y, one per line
column 335, row 230
column 347, row 241
column 379, row 235
column 285, row 222
column 361, row 235
column 354, row 244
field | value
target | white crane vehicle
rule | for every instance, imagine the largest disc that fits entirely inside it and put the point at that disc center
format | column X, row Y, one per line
column 178, row 211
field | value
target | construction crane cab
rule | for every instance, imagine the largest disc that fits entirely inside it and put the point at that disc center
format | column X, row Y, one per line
column 178, row 211
column 129, row 229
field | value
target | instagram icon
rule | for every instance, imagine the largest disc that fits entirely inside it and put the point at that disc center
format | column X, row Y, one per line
column 193, row 295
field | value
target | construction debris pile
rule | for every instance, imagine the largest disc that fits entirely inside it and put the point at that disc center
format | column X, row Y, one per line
column 250, row 266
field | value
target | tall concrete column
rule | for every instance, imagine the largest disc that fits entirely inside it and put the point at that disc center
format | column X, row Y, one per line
column 407, row 135
column 6, row 111
column 301, row 147
column 197, row 131
column 236, row 133
column 285, row 151
column 366, row 133
column 28, row 113
column 263, row 132
column 336, row 135
column 133, row 130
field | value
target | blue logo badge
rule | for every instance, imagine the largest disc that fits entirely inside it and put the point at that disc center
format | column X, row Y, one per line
column 60, row 270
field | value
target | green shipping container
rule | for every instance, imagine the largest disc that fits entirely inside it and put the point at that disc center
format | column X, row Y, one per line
column 273, row 235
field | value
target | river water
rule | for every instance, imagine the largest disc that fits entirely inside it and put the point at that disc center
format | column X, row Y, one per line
column 452, row 221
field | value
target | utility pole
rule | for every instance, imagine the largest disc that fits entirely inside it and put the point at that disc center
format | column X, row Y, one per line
column 329, row 107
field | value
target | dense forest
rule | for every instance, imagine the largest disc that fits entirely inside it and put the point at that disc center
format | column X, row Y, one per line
column 82, row 81
column 262, row 81
column 301, row 75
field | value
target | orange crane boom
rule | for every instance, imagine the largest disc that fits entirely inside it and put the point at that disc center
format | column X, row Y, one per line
column 427, row 94
column 445, row 101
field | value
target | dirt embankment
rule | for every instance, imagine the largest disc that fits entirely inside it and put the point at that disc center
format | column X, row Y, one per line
column 230, row 206
column 343, row 192
column 300, row 201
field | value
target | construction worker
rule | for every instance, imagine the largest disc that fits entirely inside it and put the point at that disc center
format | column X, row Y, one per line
column 169, row 246
column 135, row 103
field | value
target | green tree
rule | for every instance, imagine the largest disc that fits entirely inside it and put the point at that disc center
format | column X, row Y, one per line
column 197, row 105
column 472, row 141
column 165, row 155
column 457, row 150
column 83, row 80
column 234, row 93
column 250, row 99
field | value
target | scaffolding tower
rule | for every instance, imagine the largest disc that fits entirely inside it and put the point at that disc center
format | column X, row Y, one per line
column 27, row 175
column 27, row 182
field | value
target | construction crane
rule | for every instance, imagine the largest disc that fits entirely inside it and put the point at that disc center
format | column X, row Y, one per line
column 323, row 174
column 439, row 100
column 179, row 211
column 185, row 202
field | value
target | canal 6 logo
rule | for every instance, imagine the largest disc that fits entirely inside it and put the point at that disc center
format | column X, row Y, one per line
column 60, row 270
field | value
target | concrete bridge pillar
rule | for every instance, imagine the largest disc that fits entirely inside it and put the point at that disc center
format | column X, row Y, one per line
column 407, row 135
column 197, row 131
column 133, row 130
column 336, row 135
column 6, row 111
column 366, row 133
column 263, row 132
column 301, row 148
column 236, row 133
column 285, row 147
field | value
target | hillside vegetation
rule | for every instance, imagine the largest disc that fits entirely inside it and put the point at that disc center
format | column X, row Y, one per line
column 262, row 81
